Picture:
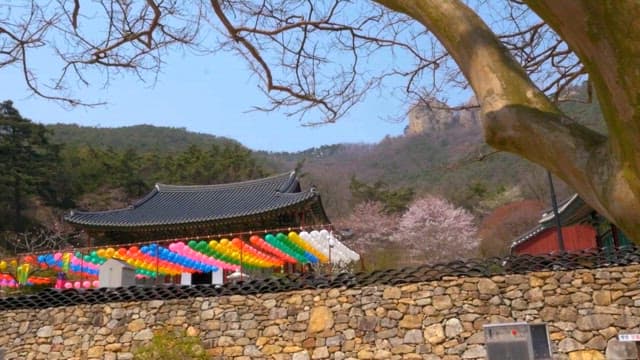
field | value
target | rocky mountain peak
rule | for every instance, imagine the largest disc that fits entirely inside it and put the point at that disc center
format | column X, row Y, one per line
column 435, row 116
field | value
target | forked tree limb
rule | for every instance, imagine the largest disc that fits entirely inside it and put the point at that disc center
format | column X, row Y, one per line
column 606, row 36
column 519, row 118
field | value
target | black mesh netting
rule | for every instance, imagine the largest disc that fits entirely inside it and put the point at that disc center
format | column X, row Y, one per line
column 475, row 267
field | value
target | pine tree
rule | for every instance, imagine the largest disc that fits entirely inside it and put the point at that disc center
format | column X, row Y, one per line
column 27, row 159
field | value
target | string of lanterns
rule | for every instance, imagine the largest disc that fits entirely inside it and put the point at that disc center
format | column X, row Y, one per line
column 199, row 255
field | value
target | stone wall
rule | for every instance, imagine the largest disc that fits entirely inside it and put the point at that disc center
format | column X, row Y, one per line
column 585, row 310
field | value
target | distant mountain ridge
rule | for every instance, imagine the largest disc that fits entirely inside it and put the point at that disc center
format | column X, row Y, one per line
column 142, row 138
column 443, row 153
column 421, row 161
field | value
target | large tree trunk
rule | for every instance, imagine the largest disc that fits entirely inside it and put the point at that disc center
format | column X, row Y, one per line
column 518, row 118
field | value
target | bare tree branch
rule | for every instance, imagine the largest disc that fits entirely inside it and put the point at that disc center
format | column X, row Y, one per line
column 315, row 60
column 74, row 16
column 37, row 240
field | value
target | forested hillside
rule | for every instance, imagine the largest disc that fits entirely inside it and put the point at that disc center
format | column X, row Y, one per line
column 49, row 170
column 453, row 162
column 142, row 138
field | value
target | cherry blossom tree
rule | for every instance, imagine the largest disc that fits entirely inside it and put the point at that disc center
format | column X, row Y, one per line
column 434, row 230
column 371, row 226
column 371, row 232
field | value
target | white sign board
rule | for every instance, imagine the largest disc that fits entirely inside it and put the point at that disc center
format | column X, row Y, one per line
column 185, row 279
column 628, row 337
column 217, row 278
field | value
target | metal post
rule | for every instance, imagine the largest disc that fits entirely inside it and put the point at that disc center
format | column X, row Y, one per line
column 554, row 204
column 614, row 237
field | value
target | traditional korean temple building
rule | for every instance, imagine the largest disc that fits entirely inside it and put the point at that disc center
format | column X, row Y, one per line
column 582, row 228
column 178, row 211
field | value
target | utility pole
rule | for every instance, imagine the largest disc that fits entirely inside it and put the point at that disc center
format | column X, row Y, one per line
column 556, row 215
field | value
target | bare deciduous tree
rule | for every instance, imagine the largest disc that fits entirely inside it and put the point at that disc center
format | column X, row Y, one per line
column 38, row 239
column 317, row 59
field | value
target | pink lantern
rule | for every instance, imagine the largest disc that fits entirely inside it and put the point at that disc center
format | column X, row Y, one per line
column 96, row 284
column 86, row 284
column 68, row 285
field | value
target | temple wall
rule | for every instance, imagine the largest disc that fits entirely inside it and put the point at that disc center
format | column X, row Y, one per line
column 585, row 310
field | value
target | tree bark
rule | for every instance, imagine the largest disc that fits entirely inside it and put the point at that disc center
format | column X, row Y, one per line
column 519, row 118
column 606, row 37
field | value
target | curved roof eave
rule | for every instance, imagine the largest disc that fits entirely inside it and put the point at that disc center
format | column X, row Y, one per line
column 302, row 200
column 184, row 204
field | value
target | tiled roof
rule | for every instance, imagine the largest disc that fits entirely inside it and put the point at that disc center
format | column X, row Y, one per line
column 528, row 235
column 183, row 204
column 572, row 211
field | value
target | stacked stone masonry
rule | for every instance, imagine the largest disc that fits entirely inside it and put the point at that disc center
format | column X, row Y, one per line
column 585, row 310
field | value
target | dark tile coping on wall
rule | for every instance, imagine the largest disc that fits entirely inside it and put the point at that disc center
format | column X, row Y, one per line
column 476, row 267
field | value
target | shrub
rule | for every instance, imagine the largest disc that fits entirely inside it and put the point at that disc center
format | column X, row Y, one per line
column 172, row 344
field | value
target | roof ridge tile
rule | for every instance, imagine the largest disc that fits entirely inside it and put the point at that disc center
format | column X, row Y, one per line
column 186, row 188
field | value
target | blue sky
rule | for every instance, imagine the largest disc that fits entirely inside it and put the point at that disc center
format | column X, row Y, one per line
column 208, row 94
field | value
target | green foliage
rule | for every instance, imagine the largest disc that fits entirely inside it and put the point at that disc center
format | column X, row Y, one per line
column 216, row 164
column 27, row 158
column 87, row 170
column 168, row 344
column 393, row 200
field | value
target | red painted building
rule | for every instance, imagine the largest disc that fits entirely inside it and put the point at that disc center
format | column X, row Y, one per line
column 582, row 229
column 575, row 237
